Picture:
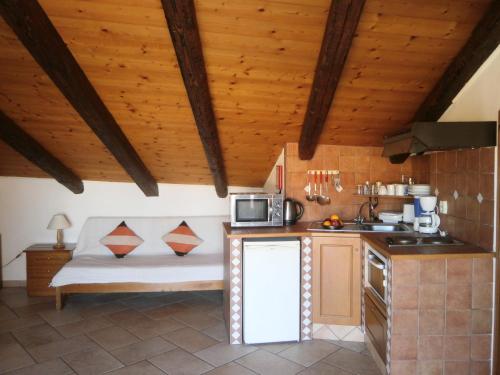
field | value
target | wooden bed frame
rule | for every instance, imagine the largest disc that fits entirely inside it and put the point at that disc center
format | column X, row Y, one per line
column 61, row 291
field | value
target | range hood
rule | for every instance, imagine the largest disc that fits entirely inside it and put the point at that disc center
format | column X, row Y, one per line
column 439, row 136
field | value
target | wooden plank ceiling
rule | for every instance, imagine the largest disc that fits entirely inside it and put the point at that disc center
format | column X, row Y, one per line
column 260, row 58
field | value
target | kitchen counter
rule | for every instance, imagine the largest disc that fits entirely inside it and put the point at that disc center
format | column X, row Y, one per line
column 377, row 240
column 465, row 250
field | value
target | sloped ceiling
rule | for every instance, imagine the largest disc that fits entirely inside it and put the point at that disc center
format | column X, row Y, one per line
column 260, row 58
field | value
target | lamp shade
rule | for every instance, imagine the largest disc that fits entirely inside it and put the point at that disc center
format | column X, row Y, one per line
column 59, row 221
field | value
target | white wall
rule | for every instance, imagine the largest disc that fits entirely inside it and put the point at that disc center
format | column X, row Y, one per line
column 27, row 204
column 479, row 99
column 270, row 185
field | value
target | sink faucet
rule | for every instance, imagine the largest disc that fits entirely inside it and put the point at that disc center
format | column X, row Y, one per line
column 371, row 213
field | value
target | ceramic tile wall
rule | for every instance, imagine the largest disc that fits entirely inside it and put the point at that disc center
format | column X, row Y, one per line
column 356, row 165
column 442, row 316
column 469, row 173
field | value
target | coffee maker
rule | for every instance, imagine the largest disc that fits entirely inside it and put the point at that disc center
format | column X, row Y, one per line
column 429, row 220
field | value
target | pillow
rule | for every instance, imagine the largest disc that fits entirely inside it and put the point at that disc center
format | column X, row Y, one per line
column 122, row 240
column 182, row 239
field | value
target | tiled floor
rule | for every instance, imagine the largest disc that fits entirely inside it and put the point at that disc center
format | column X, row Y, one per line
column 150, row 334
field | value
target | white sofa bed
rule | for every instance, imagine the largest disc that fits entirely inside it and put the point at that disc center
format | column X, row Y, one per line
column 152, row 266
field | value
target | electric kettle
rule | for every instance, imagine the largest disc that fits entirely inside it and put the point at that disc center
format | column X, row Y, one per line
column 292, row 211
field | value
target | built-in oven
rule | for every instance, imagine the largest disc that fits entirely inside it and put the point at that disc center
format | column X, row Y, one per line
column 376, row 273
column 256, row 210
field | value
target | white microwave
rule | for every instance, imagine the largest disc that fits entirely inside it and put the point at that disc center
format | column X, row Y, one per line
column 256, row 210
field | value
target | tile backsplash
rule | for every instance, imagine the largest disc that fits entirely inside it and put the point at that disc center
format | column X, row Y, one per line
column 356, row 165
column 465, row 179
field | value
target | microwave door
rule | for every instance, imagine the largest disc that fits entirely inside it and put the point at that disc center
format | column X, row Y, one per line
column 253, row 210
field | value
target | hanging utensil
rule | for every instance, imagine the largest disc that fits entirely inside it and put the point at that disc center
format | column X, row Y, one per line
column 322, row 199
column 315, row 193
column 309, row 193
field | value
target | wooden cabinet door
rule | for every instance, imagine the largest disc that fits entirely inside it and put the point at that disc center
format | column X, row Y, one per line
column 337, row 280
column 376, row 327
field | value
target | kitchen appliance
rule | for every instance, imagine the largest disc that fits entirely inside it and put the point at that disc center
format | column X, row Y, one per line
column 256, row 210
column 376, row 268
column 439, row 136
column 408, row 213
column 429, row 221
column 292, row 211
column 421, row 241
column 271, row 290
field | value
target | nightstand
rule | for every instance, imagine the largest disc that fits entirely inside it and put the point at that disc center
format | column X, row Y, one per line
column 42, row 263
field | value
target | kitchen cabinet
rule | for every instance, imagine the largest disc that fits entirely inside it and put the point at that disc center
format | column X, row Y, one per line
column 337, row 280
column 376, row 323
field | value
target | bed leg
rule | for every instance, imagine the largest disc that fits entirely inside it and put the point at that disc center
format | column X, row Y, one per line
column 59, row 298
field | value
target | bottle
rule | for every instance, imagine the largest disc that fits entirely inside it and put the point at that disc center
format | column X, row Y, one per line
column 367, row 188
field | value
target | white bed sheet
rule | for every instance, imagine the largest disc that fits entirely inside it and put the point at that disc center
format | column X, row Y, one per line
column 169, row 268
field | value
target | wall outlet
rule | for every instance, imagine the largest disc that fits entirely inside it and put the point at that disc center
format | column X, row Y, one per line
column 443, row 207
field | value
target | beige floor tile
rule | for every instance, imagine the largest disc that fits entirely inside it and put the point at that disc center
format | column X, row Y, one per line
column 196, row 319
column 20, row 298
column 92, row 362
column 54, row 367
column 60, row 317
column 190, row 339
column 6, row 313
column 112, row 337
column 141, row 368
column 355, row 346
column 37, row 335
column 166, row 311
column 322, row 368
column 353, row 362
column 55, row 349
column 223, row 353
column 308, row 352
column 12, row 355
column 84, row 326
column 218, row 332
column 126, row 318
column 34, row 308
column 231, row 368
column 102, row 309
column 141, row 303
column 148, row 328
column 276, row 348
column 266, row 363
column 142, row 350
column 180, row 362
column 20, row 323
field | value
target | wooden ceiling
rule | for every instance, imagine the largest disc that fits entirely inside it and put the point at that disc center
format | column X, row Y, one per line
column 260, row 58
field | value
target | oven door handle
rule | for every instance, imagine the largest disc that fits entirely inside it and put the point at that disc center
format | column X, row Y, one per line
column 374, row 263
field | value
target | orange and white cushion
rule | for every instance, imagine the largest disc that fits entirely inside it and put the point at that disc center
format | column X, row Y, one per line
column 122, row 240
column 182, row 239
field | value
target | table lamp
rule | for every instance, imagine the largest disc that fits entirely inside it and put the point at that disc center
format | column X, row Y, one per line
column 59, row 222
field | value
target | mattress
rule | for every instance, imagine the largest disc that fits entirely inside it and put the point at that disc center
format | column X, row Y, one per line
column 169, row 268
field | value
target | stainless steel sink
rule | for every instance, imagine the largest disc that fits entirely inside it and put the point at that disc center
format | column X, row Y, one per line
column 382, row 227
column 365, row 227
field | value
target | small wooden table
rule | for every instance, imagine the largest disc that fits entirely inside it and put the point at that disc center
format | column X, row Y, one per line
column 42, row 263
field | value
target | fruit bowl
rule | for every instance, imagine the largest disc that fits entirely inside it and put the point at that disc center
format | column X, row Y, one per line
column 333, row 222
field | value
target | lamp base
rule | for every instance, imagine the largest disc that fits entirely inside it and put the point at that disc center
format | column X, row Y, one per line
column 59, row 246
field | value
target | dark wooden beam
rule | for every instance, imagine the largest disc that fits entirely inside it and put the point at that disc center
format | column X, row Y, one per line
column 23, row 143
column 35, row 30
column 341, row 25
column 183, row 27
column 484, row 40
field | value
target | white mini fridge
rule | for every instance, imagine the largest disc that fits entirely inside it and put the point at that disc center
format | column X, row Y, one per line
column 271, row 290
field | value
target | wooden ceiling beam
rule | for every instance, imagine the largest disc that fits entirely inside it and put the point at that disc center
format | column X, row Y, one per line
column 483, row 41
column 24, row 144
column 183, row 28
column 35, row 30
column 341, row 25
